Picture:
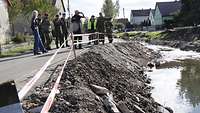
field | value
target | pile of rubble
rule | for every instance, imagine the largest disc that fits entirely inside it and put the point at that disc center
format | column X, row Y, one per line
column 105, row 79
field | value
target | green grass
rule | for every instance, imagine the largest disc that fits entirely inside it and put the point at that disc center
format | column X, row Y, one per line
column 148, row 35
column 131, row 34
column 16, row 51
column 154, row 35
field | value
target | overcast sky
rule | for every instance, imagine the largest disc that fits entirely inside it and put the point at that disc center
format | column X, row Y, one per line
column 93, row 7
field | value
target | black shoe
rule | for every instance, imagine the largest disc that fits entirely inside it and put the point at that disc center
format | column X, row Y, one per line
column 67, row 46
column 45, row 51
column 37, row 53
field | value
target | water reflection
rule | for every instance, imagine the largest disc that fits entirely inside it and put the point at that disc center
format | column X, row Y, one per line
column 177, row 82
column 190, row 81
column 177, row 85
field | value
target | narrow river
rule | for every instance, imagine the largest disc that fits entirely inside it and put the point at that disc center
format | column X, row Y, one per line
column 176, row 81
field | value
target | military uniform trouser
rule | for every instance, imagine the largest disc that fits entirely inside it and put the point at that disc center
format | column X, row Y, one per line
column 42, row 37
column 102, row 38
column 110, row 38
column 47, row 40
column 65, row 36
column 58, row 38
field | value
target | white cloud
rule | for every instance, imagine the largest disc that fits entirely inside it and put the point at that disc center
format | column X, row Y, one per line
column 93, row 7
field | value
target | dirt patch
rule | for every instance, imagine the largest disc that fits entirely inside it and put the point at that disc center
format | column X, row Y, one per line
column 116, row 67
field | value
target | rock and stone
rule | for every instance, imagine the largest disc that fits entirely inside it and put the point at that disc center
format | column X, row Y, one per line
column 114, row 68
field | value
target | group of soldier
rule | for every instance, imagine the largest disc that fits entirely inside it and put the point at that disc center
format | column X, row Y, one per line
column 42, row 28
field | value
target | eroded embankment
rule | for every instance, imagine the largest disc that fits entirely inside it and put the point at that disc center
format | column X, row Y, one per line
column 117, row 68
column 185, row 38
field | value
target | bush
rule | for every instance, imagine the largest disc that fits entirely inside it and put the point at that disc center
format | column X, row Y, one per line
column 19, row 38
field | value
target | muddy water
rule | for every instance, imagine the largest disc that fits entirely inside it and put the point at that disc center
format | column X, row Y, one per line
column 177, row 81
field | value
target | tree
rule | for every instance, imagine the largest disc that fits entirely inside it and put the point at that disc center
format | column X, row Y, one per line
column 110, row 9
column 43, row 6
column 13, row 12
column 189, row 14
column 117, row 7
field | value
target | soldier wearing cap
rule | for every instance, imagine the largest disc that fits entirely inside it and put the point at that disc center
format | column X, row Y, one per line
column 45, row 25
column 101, row 27
column 57, row 30
column 109, row 29
column 64, row 26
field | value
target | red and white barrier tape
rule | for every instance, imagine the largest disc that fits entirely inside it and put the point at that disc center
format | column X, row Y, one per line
column 22, row 93
column 31, row 83
column 52, row 95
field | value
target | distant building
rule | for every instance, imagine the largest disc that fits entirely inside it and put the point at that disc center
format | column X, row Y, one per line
column 139, row 16
column 4, row 20
column 122, row 20
column 151, row 17
column 166, row 11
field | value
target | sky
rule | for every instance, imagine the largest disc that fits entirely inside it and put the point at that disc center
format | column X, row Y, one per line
column 93, row 7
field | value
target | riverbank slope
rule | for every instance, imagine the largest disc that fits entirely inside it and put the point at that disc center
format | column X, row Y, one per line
column 103, row 80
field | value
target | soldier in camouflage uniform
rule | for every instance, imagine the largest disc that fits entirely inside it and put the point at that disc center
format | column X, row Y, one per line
column 101, row 27
column 57, row 30
column 45, row 25
column 109, row 29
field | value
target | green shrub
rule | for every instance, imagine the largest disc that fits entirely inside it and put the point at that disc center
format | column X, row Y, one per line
column 20, row 38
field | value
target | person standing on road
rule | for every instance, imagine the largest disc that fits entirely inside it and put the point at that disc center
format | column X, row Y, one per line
column 76, row 21
column 101, row 27
column 109, row 29
column 92, row 28
column 57, row 30
column 45, row 25
column 65, row 26
column 39, row 19
column 38, row 46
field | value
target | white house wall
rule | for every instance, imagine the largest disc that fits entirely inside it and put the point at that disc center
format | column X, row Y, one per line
column 158, row 17
column 4, row 21
column 138, row 19
column 151, row 17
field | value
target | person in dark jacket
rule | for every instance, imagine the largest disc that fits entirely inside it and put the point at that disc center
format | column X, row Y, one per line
column 45, row 25
column 92, row 28
column 57, row 30
column 109, row 29
column 38, row 46
column 76, row 21
column 101, row 27
column 65, row 26
column 39, row 19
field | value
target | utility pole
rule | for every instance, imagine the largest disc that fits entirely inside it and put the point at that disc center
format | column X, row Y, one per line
column 63, row 5
column 124, row 12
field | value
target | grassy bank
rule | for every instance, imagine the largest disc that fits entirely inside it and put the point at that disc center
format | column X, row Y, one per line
column 148, row 35
column 16, row 51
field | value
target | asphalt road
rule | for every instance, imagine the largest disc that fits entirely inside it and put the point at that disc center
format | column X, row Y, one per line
column 22, row 68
